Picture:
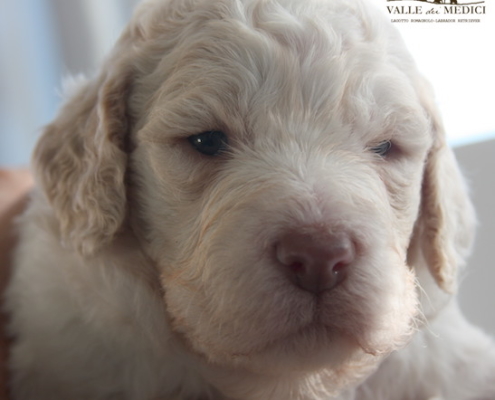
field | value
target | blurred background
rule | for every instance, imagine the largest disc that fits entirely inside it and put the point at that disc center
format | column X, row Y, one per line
column 43, row 41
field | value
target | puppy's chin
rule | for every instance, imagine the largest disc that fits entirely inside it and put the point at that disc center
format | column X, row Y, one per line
column 334, row 335
column 314, row 360
column 310, row 349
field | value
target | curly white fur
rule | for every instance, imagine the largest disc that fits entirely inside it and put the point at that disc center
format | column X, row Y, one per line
column 146, row 270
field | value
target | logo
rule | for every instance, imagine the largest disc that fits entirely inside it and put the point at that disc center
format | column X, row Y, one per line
column 443, row 1
column 450, row 11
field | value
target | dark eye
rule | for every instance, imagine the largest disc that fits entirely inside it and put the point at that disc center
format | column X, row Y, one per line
column 210, row 143
column 383, row 148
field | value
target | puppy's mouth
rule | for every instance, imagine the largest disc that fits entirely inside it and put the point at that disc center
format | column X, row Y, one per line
column 309, row 300
column 310, row 347
column 310, row 331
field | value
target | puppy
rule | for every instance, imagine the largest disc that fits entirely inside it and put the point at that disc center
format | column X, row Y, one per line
column 252, row 200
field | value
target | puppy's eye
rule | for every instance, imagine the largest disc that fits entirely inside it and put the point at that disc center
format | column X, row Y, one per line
column 383, row 148
column 210, row 143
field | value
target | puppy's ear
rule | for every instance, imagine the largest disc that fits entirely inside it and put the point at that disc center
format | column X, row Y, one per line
column 444, row 232
column 80, row 160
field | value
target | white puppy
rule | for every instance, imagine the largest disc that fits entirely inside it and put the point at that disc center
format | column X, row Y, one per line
column 253, row 200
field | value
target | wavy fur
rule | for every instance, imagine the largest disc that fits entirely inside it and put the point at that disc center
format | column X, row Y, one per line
column 147, row 270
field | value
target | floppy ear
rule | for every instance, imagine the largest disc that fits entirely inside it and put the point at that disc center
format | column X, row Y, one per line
column 80, row 161
column 444, row 231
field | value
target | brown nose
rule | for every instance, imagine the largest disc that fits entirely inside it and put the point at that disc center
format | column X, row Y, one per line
column 315, row 263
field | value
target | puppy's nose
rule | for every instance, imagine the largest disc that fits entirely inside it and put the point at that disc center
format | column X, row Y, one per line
column 315, row 263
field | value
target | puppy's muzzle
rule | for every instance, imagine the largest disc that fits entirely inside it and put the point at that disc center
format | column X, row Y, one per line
column 315, row 261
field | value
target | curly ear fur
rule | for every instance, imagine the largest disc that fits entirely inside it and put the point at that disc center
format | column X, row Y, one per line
column 444, row 231
column 448, row 218
column 80, row 161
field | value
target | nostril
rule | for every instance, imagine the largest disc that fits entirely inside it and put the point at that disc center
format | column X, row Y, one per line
column 315, row 263
column 297, row 267
column 339, row 273
column 339, row 267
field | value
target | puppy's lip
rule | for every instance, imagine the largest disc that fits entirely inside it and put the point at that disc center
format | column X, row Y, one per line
column 295, row 336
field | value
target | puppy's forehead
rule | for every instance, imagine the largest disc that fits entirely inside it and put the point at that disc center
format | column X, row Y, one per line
column 320, row 62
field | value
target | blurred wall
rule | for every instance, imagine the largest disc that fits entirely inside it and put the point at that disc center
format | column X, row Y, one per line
column 41, row 42
column 477, row 294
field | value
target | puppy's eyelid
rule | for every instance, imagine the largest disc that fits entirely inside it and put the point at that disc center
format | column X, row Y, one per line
column 383, row 148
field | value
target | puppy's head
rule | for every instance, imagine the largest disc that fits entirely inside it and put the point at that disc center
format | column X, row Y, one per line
column 288, row 175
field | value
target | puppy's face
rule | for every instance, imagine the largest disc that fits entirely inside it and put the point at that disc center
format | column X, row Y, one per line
column 284, row 168
column 279, row 168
